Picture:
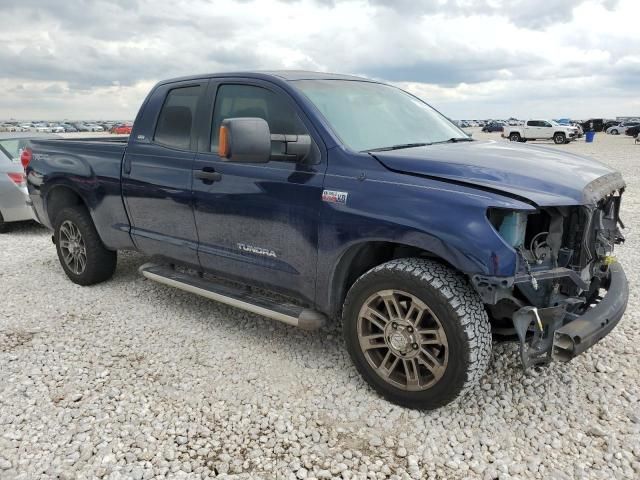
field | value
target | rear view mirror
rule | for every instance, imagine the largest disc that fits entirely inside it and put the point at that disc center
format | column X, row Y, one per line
column 249, row 140
column 246, row 140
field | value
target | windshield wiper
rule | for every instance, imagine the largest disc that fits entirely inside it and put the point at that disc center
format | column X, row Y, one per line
column 397, row 147
column 456, row 140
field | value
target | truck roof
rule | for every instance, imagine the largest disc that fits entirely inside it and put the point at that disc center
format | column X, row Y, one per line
column 286, row 75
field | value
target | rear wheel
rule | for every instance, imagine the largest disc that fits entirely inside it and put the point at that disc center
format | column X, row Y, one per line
column 83, row 256
column 417, row 332
column 559, row 138
column 514, row 137
column 4, row 226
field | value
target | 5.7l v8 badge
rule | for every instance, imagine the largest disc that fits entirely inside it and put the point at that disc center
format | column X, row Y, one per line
column 334, row 196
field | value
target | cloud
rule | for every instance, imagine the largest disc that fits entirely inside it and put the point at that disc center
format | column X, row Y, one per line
column 494, row 57
column 523, row 13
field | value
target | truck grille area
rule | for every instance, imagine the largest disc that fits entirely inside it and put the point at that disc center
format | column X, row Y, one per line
column 568, row 250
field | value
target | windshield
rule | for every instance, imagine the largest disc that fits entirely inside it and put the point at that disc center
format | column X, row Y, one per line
column 372, row 116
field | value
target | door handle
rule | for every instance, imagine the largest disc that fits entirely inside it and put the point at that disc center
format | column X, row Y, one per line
column 208, row 175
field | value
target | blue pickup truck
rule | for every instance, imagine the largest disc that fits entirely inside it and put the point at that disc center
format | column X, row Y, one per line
column 306, row 197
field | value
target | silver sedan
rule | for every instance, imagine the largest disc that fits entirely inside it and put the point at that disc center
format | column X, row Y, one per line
column 13, row 185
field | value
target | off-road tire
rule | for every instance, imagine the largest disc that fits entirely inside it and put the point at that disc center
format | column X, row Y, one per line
column 4, row 226
column 515, row 137
column 460, row 311
column 100, row 261
column 559, row 138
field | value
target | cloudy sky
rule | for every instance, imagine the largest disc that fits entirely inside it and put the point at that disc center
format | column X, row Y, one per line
column 469, row 58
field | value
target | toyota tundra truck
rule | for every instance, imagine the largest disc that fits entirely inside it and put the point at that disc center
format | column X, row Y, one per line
column 541, row 130
column 308, row 197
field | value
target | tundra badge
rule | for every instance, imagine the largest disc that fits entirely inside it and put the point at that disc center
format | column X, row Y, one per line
column 257, row 250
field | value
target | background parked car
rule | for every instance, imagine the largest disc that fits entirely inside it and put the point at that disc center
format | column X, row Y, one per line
column 633, row 131
column 41, row 127
column 610, row 123
column 121, row 129
column 541, row 129
column 593, row 124
column 94, row 127
column 493, row 127
column 81, row 127
column 622, row 128
column 13, row 184
column 570, row 123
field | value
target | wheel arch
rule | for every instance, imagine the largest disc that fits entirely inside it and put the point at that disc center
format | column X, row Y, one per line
column 363, row 256
column 59, row 197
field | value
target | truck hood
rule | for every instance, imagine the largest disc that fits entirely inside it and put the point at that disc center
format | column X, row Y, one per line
column 544, row 176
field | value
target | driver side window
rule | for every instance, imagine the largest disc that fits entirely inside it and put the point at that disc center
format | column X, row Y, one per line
column 234, row 101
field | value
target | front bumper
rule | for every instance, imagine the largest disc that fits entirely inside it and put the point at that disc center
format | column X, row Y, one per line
column 585, row 331
column 552, row 333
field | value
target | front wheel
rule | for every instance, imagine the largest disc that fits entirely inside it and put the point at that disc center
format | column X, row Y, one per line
column 417, row 332
column 614, row 132
column 559, row 138
column 83, row 256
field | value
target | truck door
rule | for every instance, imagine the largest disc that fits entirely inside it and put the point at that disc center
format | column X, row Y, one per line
column 157, row 172
column 546, row 130
column 532, row 129
column 258, row 223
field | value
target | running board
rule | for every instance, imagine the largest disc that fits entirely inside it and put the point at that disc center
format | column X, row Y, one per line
column 286, row 313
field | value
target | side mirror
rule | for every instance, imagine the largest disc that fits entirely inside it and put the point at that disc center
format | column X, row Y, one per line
column 246, row 140
column 249, row 140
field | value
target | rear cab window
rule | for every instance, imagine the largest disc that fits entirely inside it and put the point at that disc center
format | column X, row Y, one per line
column 176, row 121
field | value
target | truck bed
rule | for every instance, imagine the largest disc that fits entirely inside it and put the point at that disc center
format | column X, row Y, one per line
column 90, row 168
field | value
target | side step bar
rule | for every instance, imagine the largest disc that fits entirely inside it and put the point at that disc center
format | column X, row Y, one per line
column 286, row 313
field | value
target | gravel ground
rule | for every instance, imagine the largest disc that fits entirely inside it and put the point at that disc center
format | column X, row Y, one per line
column 130, row 379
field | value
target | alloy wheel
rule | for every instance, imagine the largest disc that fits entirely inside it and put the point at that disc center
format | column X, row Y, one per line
column 402, row 340
column 72, row 246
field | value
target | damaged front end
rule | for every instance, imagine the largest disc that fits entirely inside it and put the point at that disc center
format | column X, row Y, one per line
column 569, row 291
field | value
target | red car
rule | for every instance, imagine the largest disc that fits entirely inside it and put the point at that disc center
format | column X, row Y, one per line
column 122, row 129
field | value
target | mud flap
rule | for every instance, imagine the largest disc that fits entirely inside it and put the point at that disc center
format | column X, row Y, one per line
column 542, row 322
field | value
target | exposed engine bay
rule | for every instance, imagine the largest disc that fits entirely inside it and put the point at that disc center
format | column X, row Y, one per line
column 565, row 259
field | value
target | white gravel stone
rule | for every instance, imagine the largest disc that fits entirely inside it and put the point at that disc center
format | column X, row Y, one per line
column 131, row 379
